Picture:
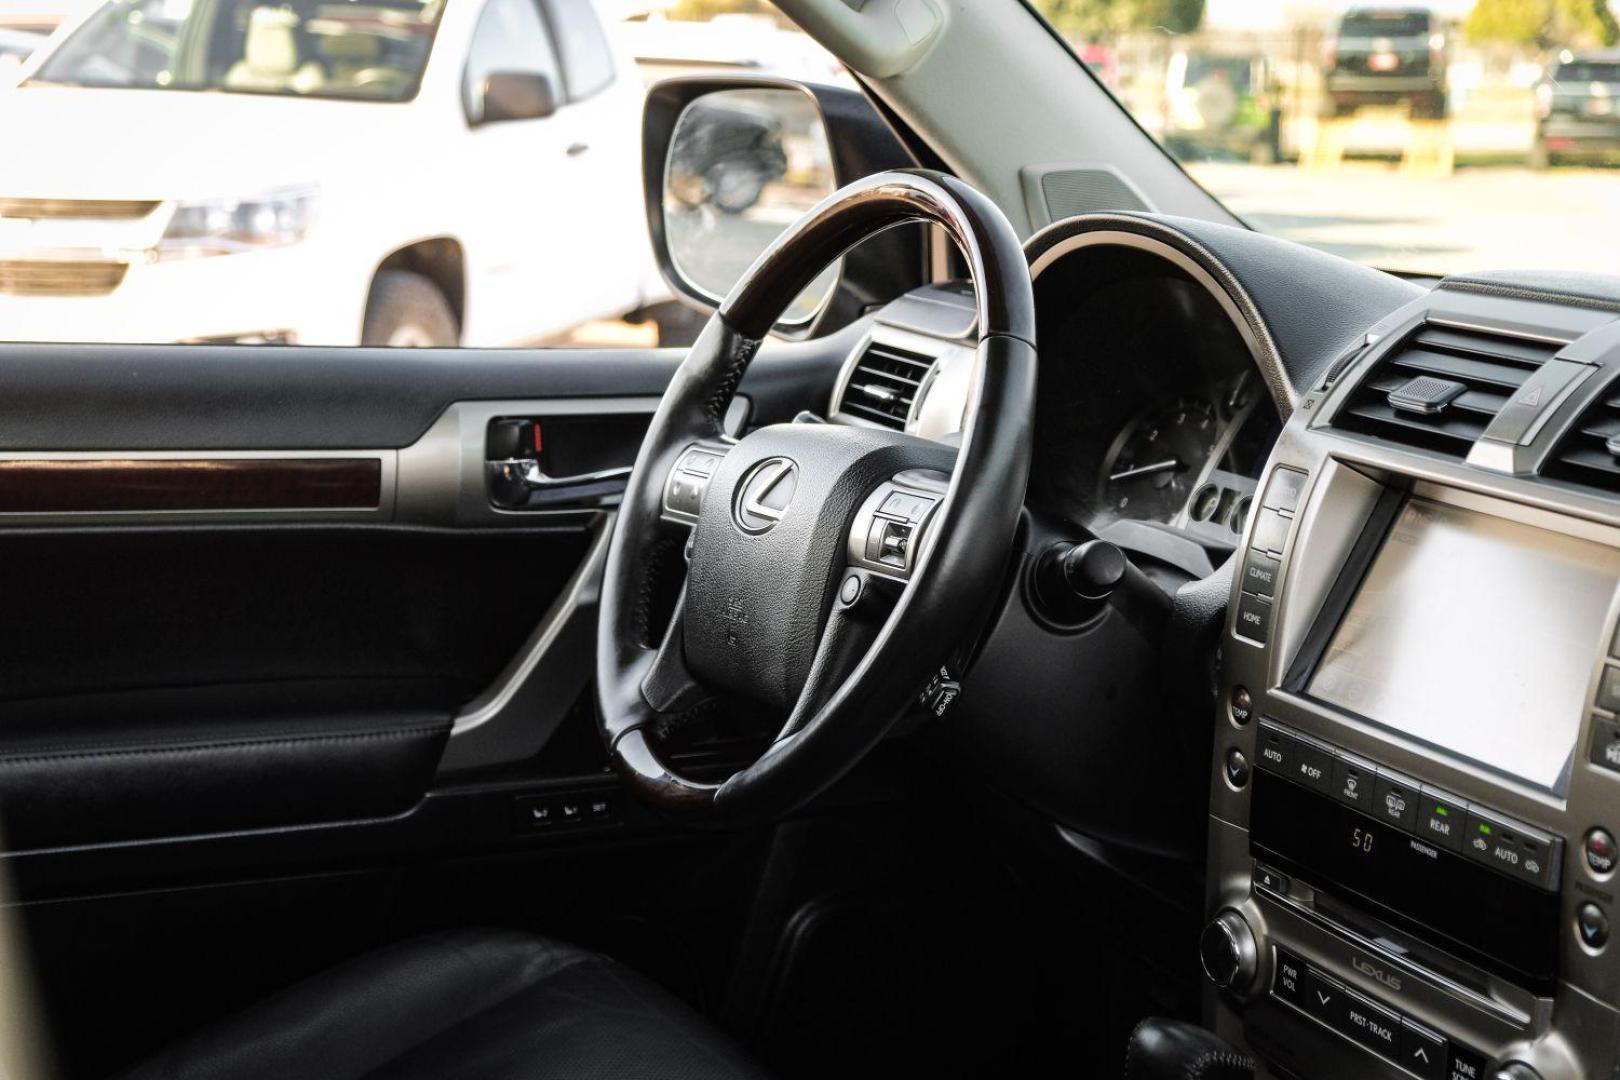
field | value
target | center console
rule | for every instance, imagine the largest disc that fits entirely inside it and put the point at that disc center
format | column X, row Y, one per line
column 1415, row 784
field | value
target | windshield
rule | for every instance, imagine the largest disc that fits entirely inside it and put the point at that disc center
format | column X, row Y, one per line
column 1376, row 24
column 1429, row 140
column 373, row 50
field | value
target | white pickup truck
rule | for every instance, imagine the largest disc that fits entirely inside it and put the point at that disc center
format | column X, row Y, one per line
column 381, row 172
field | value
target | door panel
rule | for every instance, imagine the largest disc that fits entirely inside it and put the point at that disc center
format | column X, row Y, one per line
column 248, row 656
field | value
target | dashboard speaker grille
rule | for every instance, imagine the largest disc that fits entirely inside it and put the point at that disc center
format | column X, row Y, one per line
column 884, row 384
column 1481, row 371
column 1589, row 454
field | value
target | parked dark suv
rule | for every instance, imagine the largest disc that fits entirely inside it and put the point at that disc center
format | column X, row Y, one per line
column 1578, row 108
column 1386, row 56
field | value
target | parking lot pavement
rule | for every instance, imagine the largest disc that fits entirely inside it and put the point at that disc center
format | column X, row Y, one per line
column 1471, row 219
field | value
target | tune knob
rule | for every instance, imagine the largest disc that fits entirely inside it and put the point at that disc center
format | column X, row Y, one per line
column 1515, row 1070
column 1229, row 952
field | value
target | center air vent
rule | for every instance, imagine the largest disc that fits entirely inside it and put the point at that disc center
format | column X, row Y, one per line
column 1441, row 388
column 1589, row 453
column 884, row 383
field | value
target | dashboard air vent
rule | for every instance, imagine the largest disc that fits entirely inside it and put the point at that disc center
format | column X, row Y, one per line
column 1440, row 388
column 1589, row 454
column 884, row 384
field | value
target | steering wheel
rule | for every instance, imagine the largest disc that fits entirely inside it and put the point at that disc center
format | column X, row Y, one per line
column 831, row 569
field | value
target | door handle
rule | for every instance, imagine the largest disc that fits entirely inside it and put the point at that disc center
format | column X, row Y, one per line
column 520, row 484
column 576, row 149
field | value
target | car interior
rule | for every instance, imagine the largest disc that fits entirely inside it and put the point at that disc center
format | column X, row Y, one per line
column 1102, row 640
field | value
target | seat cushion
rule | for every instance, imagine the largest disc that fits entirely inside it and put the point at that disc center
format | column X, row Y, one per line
column 470, row 1004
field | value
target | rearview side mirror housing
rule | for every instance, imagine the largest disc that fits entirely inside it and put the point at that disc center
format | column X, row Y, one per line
column 729, row 161
column 516, row 95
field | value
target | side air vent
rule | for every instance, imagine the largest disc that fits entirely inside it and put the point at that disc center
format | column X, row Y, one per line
column 1441, row 388
column 884, row 384
column 1590, row 453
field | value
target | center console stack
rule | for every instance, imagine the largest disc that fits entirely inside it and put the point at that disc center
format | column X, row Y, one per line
column 1415, row 789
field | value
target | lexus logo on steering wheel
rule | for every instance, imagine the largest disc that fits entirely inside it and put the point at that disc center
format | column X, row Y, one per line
column 764, row 494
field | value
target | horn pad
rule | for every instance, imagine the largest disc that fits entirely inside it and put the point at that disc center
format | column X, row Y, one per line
column 769, row 550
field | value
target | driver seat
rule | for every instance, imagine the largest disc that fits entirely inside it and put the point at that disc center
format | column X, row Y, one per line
column 475, row 1005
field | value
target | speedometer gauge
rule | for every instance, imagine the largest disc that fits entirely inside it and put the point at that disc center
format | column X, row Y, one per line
column 1150, row 469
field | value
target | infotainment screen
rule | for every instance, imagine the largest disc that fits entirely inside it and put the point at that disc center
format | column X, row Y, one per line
column 1476, row 635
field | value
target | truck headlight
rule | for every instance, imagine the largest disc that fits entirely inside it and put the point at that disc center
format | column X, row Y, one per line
column 226, row 226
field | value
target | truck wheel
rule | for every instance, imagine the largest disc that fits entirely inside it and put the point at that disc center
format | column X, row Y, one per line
column 406, row 310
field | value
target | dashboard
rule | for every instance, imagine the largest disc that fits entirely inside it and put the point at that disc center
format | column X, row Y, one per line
column 1382, row 715
column 1151, row 410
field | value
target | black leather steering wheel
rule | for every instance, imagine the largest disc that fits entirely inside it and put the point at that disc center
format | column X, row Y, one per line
column 831, row 568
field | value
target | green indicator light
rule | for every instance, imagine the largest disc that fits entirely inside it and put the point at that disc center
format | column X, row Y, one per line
column 1441, row 811
column 1484, row 828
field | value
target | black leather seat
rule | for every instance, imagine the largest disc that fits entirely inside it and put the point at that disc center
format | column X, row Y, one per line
column 470, row 1005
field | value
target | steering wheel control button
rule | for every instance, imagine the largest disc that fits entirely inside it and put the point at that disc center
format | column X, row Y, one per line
column 699, row 463
column 1260, row 574
column 1600, row 852
column 685, row 494
column 1254, row 618
column 1592, row 926
column 1237, row 768
column 850, row 590
column 941, row 693
column 1284, row 489
column 1354, row 781
column 1441, row 819
column 905, row 506
column 1423, row 1051
column 1242, row 705
column 1395, row 800
column 1270, row 532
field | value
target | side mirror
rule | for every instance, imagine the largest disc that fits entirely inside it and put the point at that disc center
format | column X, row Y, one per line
column 731, row 161
column 516, row 95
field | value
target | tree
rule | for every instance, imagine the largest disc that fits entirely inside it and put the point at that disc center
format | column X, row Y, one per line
column 1542, row 24
column 1093, row 20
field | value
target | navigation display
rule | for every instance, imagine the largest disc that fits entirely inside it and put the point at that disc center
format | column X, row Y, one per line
column 1476, row 635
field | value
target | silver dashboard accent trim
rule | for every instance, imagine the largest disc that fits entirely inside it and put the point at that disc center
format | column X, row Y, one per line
column 1262, row 350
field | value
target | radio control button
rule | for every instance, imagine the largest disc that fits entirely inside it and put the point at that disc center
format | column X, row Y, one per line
column 1511, row 847
column 1465, row 1064
column 1606, row 743
column 1242, row 705
column 1284, row 489
column 1395, row 800
column 1260, row 574
column 1608, row 691
column 1354, row 781
column 1442, row 819
column 1274, row 750
column 1270, row 532
column 1254, row 618
column 1372, row 1025
column 1267, row 878
column 1288, row 980
column 1324, row 999
column 1311, row 764
column 1423, row 1051
column 1600, row 852
column 1237, row 768
column 1592, row 925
